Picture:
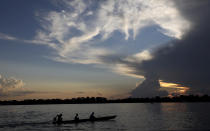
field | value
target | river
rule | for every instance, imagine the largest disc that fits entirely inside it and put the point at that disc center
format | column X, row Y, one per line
column 130, row 117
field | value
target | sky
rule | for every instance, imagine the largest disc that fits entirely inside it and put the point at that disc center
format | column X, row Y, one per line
column 103, row 48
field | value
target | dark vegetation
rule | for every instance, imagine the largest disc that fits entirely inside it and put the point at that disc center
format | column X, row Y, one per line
column 89, row 100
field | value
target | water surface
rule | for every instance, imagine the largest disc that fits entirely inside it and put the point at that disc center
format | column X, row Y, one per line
column 132, row 117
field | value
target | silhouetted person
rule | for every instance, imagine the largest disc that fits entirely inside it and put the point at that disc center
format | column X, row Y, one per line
column 76, row 118
column 92, row 117
column 55, row 120
column 59, row 118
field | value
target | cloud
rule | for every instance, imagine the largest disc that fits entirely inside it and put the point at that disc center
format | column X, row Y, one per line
column 173, row 88
column 12, row 87
column 150, row 87
column 81, row 25
column 76, row 31
column 7, row 37
column 132, row 66
column 137, row 14
column 185, row 61
column 10, row 83
column 127, row 65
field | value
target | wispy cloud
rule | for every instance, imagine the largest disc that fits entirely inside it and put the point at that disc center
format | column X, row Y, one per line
column 7, row 37
column 75, row 31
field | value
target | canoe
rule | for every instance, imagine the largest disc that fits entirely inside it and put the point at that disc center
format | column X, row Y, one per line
column 105, row 118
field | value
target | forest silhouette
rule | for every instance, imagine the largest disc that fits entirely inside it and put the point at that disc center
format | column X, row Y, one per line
column 92, row 100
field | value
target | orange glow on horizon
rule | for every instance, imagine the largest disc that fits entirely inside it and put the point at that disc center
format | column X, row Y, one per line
column 109, row 94
column 173, row 87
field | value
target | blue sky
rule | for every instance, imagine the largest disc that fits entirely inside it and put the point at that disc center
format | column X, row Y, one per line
column 56, row 46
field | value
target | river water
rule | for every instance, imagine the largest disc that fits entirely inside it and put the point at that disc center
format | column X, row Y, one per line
column 130, row 117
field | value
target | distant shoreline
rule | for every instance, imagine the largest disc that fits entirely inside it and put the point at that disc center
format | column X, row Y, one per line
column 102, row 100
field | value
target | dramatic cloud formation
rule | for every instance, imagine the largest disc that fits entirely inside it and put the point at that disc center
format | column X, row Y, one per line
column 150, row 87
column 133, row 66
column 184, row 61
column 12, row 87
column 76, row 31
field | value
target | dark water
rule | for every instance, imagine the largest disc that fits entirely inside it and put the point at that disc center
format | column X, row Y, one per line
column 132, row 117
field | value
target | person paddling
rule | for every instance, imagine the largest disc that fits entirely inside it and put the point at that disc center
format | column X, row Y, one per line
column 92, row 117
column 76, row 118
column 59, row 118
column 55, row 120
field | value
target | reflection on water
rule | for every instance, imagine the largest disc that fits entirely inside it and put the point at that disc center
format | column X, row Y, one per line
column 139, row 116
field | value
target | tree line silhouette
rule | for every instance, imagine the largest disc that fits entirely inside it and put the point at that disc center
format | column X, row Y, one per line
column 90, row 100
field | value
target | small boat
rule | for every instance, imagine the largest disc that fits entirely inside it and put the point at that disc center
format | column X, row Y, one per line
column 105, row 118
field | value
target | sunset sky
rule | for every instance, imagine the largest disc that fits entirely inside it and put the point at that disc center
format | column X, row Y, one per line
column 107, row 48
